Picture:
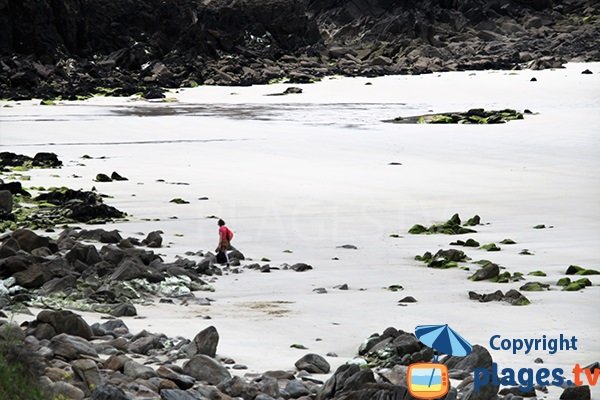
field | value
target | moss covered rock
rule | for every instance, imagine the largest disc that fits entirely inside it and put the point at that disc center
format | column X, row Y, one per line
column 473, row 116
column 450, row 227
column 490, row 247
column 537, row 273
column 534, row 287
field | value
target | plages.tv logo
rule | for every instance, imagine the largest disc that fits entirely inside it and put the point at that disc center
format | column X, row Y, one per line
column 430, row 380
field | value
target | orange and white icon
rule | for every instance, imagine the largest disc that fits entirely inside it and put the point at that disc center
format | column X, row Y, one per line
column 428, row 381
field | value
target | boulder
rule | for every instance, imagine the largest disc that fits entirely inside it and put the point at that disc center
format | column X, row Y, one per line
column 136, row 370
column 576, row 393
column 47, row 160
column 489, row 271
column 64, row 390
column 144, row 344
column 70, row 347
column 478, row 358
column 182, row 381
column 87, row 254
column 108, row 392
column 206, row 341
column 6, row 202
column 66, row 322
column 178, row 394
column 206, row 369
column 124, row 310
column 235, row 254
column 33, row 277
column 153, row 239
column 313, row 363
column 64, row 284
column 9, row 248
column 295, row 389
column 238, row 388
column 301, row 267
column 103, row 178
column 29, row 241
column 87, row 371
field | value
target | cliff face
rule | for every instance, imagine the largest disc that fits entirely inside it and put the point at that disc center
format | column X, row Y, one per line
column 71, row 47
column 84, row 28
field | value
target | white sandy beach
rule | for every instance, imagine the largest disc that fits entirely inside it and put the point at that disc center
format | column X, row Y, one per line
column 309, row 172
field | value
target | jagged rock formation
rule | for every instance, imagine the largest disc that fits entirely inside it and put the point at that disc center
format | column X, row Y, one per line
column 71, row 48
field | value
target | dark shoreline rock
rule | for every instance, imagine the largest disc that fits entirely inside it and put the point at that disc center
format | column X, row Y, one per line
column 70, row 49
column 473, row 116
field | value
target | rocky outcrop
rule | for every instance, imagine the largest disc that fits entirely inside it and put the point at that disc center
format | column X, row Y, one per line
column 74, row 48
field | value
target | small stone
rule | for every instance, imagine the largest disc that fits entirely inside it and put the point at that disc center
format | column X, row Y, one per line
column 301, row 267
column 124, row 310
column 116, row 177
column 534, row 287
column 408, row 299
column 178, row 200
column 103, row 178
column 586, row 72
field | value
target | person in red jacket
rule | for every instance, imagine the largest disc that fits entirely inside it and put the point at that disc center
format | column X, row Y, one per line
column 225, row 236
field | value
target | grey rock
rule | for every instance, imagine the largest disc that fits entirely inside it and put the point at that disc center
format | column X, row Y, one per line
column 109, row 392
column 236, row 254
column 576, row 393
column 66, row 322
column 87, row 254
column 87, row 371
column 478, row 358
column 64, row 283
column 206, row 369
column 206, row 341
column 177, row 394
column 144, row 344
column 313, row 363
column 295, row 388
column 136, row 370
column 6, row 202
column 489, row 271
column 29, row 241
column 407, row 299
column 238, row 387
column 71, row 347
column 182, row 381
column 301, row 267
column 263, row 396
column 154, row 239
column 124, row 310
column 67, row 390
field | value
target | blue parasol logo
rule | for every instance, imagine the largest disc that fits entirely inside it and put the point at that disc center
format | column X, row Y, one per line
column 443, row 339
